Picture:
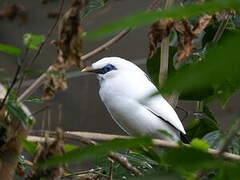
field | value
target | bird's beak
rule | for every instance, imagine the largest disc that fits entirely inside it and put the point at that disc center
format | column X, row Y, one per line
column 87, row 69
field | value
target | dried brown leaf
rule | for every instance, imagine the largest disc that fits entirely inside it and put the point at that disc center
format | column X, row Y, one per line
column 158, row 31
column 202, row 23
column 185, row 37
column 10, row 147
column 69, row 51
column 43, row 153
column 187, row 33
column 14, row 10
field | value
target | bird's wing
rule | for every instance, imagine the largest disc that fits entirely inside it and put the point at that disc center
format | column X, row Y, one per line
column 161, row 108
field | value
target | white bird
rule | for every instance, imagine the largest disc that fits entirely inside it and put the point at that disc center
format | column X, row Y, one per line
column 127, row 93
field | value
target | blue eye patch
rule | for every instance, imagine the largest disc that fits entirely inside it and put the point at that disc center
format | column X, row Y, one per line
column 105, row 69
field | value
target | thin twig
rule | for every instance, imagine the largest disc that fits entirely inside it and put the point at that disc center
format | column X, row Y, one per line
column 221, row 29
column 28, row 65
column 110, row 174
column 106, row 45
column 19, row 68
column 47, row 36
column 11, row 87
column 78, row 136
column 125, row 163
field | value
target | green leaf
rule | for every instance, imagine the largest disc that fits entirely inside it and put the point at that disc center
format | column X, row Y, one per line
column 92, row 152
column 221, row 63
column 189, row 158
column 10, row 49
column 153, row 64
column 16, row 112
column 28, row 146
column 33, row 99
column 32, row 41
column 91, row 5
column 216, row 138
column 69, row 147
column 143, row 18
column 199, row 127
column 228, row 171
column 199, row 144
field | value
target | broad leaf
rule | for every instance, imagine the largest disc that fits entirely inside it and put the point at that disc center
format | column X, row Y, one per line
column 10, row 49
column 32, row 41
column 199, row 144
column 189, row 158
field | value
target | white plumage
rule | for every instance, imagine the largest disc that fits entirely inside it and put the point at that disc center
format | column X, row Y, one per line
column 126, row 92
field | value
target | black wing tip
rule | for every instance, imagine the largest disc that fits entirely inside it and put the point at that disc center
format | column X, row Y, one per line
column 185, row 138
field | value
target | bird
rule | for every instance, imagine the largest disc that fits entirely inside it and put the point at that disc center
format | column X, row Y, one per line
column 134, row 102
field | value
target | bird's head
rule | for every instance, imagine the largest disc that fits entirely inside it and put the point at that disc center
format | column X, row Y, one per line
column 109, row 66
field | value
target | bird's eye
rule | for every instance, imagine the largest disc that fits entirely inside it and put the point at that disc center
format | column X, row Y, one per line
column 109, row 67
column 105, row 69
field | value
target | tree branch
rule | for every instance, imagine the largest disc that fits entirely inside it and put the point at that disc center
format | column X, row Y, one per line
column 78, row 136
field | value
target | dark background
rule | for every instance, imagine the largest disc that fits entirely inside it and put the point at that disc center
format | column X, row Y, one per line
column 80, row 105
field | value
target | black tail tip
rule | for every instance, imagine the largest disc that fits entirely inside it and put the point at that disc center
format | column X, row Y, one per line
column 185, row 138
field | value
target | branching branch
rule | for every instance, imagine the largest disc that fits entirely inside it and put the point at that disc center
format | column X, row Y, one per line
column 88, row 141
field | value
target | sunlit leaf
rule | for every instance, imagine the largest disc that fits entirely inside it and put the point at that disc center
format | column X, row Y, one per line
column 10, row 49
column 33, row 99
column 199, row 144
column 32, row 41
column 69, row 147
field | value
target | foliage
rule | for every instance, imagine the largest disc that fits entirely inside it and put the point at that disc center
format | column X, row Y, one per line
column 32, row 41
column 10, row 49
column 143, row 18
column 210, row 71
column 16, row 112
